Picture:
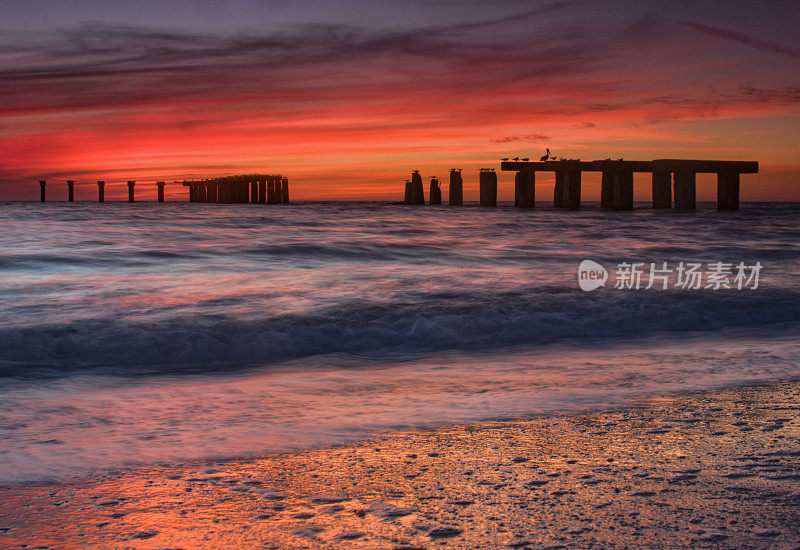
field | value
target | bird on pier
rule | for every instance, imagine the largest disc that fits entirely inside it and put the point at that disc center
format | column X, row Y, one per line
column 547, row 156
column 516, row 158
column 526, row 159
column 620, row 159
column 504, row 159
column 609, row 158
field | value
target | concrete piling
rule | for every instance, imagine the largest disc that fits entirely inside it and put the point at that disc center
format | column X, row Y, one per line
column 662, row 190
column 285, row 190
column 558, row 190
column 572, row 189
column 254, row 192
column 42, row 184
column 160, row 186
column 456, row 190
column 414, row 191
column 262, row 191
column 70, row 190
column 607, row 190
column 436, row 192
column 101, row 191
column 488, row 187
column 130, row 190
column 685, row 190
column 524, row 189
column 727, row 191
column 622, row 196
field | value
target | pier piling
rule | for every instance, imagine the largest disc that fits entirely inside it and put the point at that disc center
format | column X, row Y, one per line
column 572, row 189
column 130, row 190
column 456, row 190
column 622, row 196
column 254, row 192
column 285, row 190
column 414, row 191
column 70, row 190
column 662, row 190
column 728, row 191
column 607, row 190
column 101, row 191
column 488, row 187
column 262, row 191
column 436, row 192
column 42, row 184
column 525, row 189
column 160, row 186
column 685, row 190
column 558, row 190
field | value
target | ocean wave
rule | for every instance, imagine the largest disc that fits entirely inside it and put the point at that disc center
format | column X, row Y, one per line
column 424, row 324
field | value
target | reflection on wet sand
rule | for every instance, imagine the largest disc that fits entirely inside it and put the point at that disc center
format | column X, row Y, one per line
column 703, row 469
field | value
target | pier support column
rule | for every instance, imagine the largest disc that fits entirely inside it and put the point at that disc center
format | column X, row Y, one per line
column 407, row 196
column 436, row 192
column 70, row 190
column 254, row 192
column 488, row 187
column 622, row 195
column 728, row 191
column 130, row 190
column 160, row 186
column 662, row 190
column 285, row 190
column 685, row 191
column 192, row 192
column 558, row 190
column 244, row 196
column 42, row 184
column 572, row 189
column 211, row 192
column 456, row 190
column 607, row 190
column 262, row 192
column 101, row 191
column 525, row 189
column 417, row 191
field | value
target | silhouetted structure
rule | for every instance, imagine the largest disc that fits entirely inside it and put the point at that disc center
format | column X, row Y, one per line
column 415, row 192
column 671, row 177
column 42, row 184
column 524, row 189
column 101, row 191
column 456, row 191
column 160, row 186
column 246, row 188
column 488, row 187
column 70, row 190
column 436, row 192
column 131, row 183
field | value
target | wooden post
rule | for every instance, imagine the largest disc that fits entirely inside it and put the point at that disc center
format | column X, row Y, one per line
column 407, row 196
column 285, row 190
column 622, row 197
column 558, row 190
column 662, row 190
column 728, row 191
column 435, row 192
column 572, row 189
column 456, row 188
column 488, row 187
column 101, row 191
column 524, row 189
column 262, row 192
column 160, row 185
column 607, row 190
column 70, row 190
column 42, row 184
column 685, row 190
column 254, row 192
column 130, row 190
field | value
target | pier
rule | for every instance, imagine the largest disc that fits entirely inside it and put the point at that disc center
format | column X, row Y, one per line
column 673, row 183
column 253, row 189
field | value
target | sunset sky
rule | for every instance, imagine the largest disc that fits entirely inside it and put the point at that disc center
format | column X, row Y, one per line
column 347, row 97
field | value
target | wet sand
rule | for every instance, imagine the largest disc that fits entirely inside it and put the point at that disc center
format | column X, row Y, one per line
column 712, row 469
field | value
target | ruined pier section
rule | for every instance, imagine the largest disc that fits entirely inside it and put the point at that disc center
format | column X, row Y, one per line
column 673, row 181
column 250, row 188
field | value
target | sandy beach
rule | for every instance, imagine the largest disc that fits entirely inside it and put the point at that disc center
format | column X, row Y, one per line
column 711, row 469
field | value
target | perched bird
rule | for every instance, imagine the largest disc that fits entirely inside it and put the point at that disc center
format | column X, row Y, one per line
column 504, row 158
column 609, row 158
column 516, row 158
column 620, row 159
column 526, row 159
column 546, row 156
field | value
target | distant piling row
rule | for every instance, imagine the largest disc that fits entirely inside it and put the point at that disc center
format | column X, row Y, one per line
column 256, row 188
column 674, row 183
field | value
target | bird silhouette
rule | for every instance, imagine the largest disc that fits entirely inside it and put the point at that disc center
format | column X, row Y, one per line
column 505, row 158
column 516, row 158
column 526, row 159
column 546, row 156
column 620, row 159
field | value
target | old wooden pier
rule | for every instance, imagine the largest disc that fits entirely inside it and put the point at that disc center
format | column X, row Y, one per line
column 254, row 188
column 673, row 182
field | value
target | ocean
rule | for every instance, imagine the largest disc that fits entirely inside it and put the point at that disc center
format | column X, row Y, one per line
column 148, row 333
